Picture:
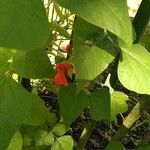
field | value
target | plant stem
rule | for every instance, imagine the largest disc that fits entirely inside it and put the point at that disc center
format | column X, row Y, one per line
column 141, row 19
column 89, row 126
column 25, row 82
column 132, row 117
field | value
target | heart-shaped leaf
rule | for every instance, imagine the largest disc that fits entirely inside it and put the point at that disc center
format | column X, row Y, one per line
column 33, row 64
column 134, row 69
column 100, row 104
column 108, row 14
column 24, row 24
column 71, row 104
column 16, row 142
column 37, row 107
column 118, row 104
column 114, row 145
column 14, row 104
column 92, row 50
column 63, row 143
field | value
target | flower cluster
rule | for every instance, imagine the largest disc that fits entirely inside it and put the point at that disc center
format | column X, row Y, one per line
column 60, row 78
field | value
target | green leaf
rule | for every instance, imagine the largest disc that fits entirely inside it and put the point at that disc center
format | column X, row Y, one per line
column 52, row 119
column 100, row 104
column 49, row 139
column 24, row 24
column 33, row 64
column 27, row 141
column 60, row 129
column 118, row 104
column 110, row 15
column 42, row 137
column 80, row 85
column 5, row 55
column 71, row 105
column 16, row 142
column 146, row 40
column 28, row 135
column 42, row 147
column 14, row 104
column 37, row 107
column 144, row 147
column 134, row 69
column 117, row 145
column 63, row 143
column 92, row 50
column 104, row 106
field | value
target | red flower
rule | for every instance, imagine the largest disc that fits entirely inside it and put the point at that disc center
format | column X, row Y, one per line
column 60, row 78
column 68, row 48
column 62, row 67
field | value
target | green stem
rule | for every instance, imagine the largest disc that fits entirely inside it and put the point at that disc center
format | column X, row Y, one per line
column 132, row 117
column 89, row 126
column 141, row 19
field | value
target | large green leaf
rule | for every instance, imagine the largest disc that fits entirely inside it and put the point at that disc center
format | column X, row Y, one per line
column 71, row 105
column 5, row 55
column 60, row 129
column 37, row 107
column 16, row 142
column 144, row 147
column 23, row 25
column 100, row 104
column 117, row 145
column 42, row 137
column 14, row 105
column 134, row 69
column 108, row 14
column 118, row 104
column 106, row 106
column 43, row 147
column 33, row 64
column 92, row 50
column 27, row 133
column 63, row 143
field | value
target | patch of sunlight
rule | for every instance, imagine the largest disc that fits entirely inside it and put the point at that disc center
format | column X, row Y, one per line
column 133, row 6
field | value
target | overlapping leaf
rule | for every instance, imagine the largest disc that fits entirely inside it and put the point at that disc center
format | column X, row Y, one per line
column 14, row 105
column 16, row 142
column 37, row 107
column 33, row 64
column 63, row 143
column 134, row 69
column 118, row 104
column 108, row 14
column 5, row 55
column 23, row 25
column 92, row 50
column 71, row 105
column 100, row 105
column 114, row 145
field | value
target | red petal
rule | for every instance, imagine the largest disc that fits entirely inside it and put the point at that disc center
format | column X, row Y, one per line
column 59, row 66
column 62, row 66
column 66, row 67
column 60, row 79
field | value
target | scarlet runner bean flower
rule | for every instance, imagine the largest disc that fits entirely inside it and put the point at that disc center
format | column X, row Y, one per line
column 60, row 78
